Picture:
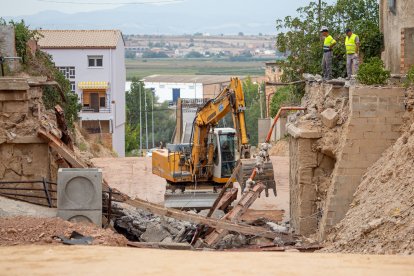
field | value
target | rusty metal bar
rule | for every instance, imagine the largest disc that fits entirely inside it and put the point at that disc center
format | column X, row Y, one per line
column 49, row 202
column 34, row 196
column 26, row 182
column 109, row 209
column 21, row 189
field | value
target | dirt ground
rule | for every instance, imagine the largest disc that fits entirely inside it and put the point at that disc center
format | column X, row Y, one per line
column 98, row 260
column 133, row 176
column 30, row 230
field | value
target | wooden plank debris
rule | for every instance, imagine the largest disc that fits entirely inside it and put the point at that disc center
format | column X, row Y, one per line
column 244, row 203
column 214, row 223
column 62, row 149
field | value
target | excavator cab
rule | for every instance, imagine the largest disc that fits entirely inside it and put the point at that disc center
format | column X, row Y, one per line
column 225, row 153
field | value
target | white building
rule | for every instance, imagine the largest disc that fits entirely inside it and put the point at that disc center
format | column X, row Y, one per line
column 93, row 61
column 171, row 87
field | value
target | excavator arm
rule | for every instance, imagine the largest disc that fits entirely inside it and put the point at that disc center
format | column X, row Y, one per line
column 230, row 99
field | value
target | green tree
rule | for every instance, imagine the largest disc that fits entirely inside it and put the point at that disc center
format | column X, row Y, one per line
column 300, row 35
column 252, row 114
column 285, row 96
column 164, row 120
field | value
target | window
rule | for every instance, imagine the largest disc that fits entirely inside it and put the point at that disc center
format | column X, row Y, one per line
column 102, row 101
column 72, row 86
column 95, row 61
column 392, row 5
column 67, row 71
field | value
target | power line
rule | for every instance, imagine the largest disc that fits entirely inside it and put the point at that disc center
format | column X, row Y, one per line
column 109, row 3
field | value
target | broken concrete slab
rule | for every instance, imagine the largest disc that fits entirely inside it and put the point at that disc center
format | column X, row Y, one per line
column 218, row 214
column 329, row 117
column 155, row 233
column 306, row 133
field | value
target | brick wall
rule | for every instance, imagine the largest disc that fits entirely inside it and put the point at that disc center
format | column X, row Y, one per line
column 374, row 124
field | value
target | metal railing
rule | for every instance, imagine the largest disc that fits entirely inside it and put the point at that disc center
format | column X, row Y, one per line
column 13, row 192
column 92, row 110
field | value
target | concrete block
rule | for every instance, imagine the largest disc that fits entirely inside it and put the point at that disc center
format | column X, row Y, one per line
column 377, row 91
column 297, row 132
column 368, row 114
column 329, row 117
column 79, row 189
column 10, row 83
column 82, row 216
column 365, row 107
column 10, row 95
column 391, row 135
column 368, row 99
column 15, row 107
column 393, row 120
column 358, row 121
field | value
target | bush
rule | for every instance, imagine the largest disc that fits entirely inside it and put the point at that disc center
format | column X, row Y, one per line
column 283, row 97
column 410, row 77
column 373, row 72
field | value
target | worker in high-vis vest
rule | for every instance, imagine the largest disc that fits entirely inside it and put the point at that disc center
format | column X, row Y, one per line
column 328, row 43
column 352, row 49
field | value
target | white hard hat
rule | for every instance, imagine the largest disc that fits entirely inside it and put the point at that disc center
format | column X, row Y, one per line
column 324, row 29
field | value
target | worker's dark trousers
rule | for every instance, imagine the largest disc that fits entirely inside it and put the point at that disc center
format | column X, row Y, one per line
column 327, row 65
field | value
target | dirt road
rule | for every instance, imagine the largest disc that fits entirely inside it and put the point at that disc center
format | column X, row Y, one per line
column 133, row 176
column 100, row 260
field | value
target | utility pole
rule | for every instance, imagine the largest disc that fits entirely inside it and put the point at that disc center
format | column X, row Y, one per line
column 259, row 90
column 152, row 118
column 146, row 120
column 140, row 120
column 319, row 13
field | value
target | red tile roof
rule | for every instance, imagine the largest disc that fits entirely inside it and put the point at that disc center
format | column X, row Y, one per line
column 80, row 39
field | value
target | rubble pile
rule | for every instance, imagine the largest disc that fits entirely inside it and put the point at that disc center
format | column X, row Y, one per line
column 325, row 122
column 30, row 230
column 381, row 217
column 142, row 226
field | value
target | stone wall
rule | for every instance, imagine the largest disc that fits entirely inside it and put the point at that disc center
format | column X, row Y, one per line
column 23, row 155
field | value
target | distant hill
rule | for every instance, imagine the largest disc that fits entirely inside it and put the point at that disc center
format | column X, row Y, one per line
column 186, row 17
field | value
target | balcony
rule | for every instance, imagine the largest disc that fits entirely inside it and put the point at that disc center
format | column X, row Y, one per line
column 87, row 109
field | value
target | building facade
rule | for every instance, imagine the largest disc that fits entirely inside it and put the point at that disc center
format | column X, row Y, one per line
column 397, row 25
column 93, row 61
column 171, row 87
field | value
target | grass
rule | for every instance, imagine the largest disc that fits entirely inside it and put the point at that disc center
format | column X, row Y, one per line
column 170, row 66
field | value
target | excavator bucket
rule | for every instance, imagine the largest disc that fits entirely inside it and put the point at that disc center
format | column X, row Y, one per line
column 267, row 177
column 189, row 199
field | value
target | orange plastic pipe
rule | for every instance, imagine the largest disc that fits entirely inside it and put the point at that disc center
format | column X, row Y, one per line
column 286, row 108
column 269, row 134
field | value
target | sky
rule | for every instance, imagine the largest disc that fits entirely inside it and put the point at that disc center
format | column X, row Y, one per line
column 154, row 16
column 29, row 7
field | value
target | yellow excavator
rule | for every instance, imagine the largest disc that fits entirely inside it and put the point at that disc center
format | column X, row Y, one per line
column 195, row 171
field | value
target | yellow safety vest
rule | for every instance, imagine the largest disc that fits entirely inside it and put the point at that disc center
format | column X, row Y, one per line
column 350, row 44
column 329, row 40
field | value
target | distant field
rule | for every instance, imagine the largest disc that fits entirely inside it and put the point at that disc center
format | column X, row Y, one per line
column 141, row 68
